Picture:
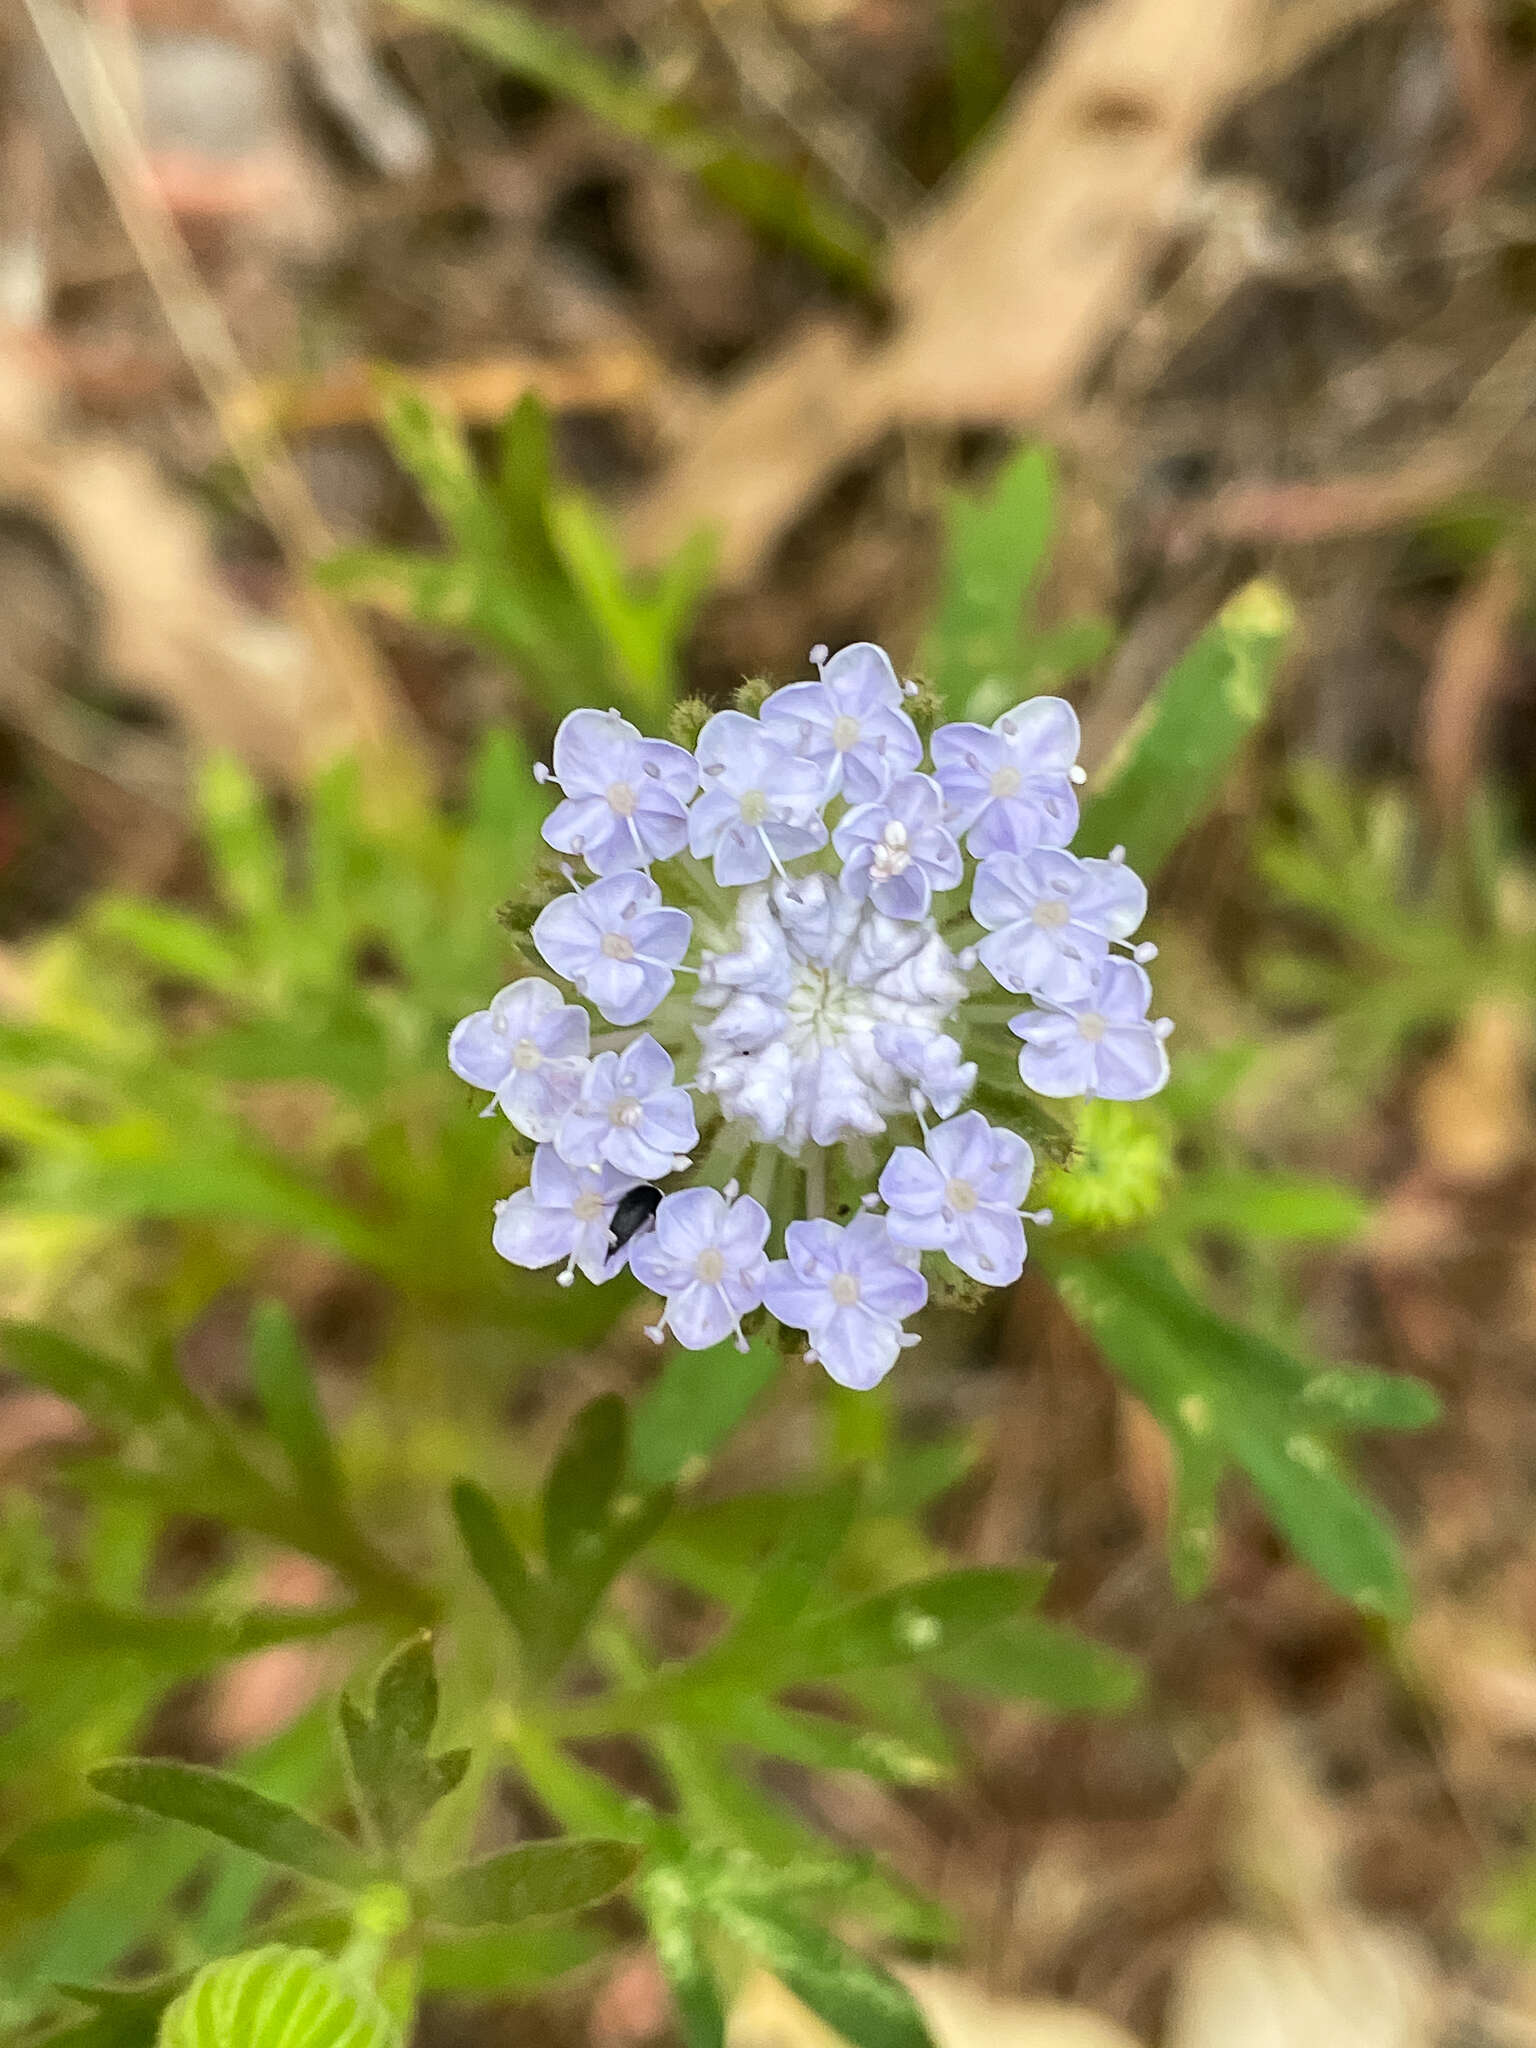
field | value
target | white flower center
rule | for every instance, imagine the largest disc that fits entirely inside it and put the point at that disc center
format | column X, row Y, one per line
column 621, row 799
column 1091, row 1026
column 617, row 947
column 845, row 733
column 588, row 1207
column 891, row 855
column 961, row 1196
column 710, row 1266
column 788, row 1024
column 754, row 807
column 844, row 1289
column 526, row 1056
column 1005, row 782
column 624, row 1112
column 1051, row 913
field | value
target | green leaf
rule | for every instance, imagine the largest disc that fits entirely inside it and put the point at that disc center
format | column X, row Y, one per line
column 995, row 546
column 699, row 1398
column 1170, row 767
column 792, row 1576
column 242, row 839
column 1034, row 1659
column 110, row 1394
column 277, row 1998
column 173, row 940
column 1350, row 1397
column 640, row 626
column 495, row 1557
column 679, row 1951
column 539, row 1877
column 122, row 2016
column 1205, row 1378
column 509, row 1960
column 818, row 1740
column 397, row 1781
column 855, row 1997
column 771, row 198
column 429, row 443
column 1283, row 1207
column 909, row 1623
column 582, row 1482
column 290, row 1401
column 222, row 1806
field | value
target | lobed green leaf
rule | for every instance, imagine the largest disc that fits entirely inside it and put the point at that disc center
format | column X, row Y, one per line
column 539, row 1877
column 237, row 1813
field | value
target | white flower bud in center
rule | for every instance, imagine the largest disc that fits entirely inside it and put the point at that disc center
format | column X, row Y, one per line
column 960, row 1196
column 890, row 856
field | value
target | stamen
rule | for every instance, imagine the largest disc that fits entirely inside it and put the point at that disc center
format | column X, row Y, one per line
column 657, row 1332
column 1143, row 953
column 1076, row 774
column 818, row 654
column 768, row 848
column 741, row 1342
column 541, row 773
column 1117, row 855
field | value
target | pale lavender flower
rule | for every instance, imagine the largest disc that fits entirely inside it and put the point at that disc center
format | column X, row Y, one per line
column 897, row 850
column 1102, row 1045
column 529, row 1048
column 849, row 1287
column 630, row 1113
column 1050, row 918
column 961, row 1195
column 626, row 797
column 617, row 942
column 837, row 1009
column 1009, row 786
column 565, row 1212
column 759, row 808
column 706, row 1257
column 850, row 724
column 932, row 1061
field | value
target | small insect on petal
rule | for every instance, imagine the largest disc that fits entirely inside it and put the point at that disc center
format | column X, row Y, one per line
column 635, row 1212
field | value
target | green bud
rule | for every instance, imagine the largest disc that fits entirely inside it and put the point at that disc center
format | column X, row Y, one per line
column 1118, row 1174
column 752, row 693
column 927, row 708
column 547, row 882
column 688, row 719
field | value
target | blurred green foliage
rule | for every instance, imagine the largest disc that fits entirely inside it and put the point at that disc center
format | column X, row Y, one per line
column 244, row 1094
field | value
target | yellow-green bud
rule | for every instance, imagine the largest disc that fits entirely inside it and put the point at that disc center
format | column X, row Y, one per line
column 1118, row 1174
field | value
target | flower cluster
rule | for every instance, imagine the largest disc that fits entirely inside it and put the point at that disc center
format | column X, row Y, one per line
column 823, row 941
